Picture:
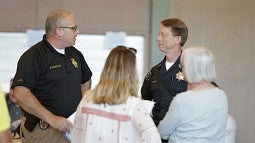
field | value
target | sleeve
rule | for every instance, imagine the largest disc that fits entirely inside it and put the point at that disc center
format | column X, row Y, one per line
column 146, row 87
column 78, row 125
column 145, row 125
column 86, row 71
column 27, row 71
column 171, row 121
column 148, row 105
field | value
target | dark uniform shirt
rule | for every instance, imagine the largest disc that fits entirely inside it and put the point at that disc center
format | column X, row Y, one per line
column 55, row 79
column 161, row 85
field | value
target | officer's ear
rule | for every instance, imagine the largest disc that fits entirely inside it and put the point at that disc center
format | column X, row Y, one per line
column 59, row 31
column 177, row 39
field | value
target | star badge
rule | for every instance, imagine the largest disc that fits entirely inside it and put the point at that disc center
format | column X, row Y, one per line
column 179, row 76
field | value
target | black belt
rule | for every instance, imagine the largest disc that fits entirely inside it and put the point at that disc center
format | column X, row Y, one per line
column 31, row 121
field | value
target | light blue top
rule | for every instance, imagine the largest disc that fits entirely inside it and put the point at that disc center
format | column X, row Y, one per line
column 196, row 117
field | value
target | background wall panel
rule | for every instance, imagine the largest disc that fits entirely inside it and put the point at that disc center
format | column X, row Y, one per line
column 93, row 16
column 17, row 15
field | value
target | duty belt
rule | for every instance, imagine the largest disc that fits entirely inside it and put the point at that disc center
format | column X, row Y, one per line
column 42, row 124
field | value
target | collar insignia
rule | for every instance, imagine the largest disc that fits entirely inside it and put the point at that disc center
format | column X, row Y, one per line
column 74, row 63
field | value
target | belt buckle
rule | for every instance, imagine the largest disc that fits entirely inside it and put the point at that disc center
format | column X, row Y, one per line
column 43, row 125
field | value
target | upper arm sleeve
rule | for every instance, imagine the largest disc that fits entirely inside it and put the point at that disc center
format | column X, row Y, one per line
column 79, row 125
column 170, row 122
column 145, row 125
column 86, row 71
column 146, row 87
column 27, row 71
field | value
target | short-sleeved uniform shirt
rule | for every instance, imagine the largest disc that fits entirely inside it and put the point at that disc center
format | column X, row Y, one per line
column 152, row 90
column 55, row 79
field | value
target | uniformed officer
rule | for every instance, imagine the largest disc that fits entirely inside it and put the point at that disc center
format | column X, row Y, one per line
column 50, row 80
column 165, row 79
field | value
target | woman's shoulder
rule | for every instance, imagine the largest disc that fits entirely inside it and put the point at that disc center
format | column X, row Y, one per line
column 183, row 94
column 132, row 100
column 87, row 97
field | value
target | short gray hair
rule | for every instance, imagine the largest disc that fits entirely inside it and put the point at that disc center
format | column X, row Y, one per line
column 55, row 18
column 199, row 65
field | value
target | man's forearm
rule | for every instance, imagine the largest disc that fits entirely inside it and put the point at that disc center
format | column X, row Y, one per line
column 30, row 104
column 86, row 86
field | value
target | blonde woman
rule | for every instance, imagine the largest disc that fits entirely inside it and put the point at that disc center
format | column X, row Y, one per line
column 111, row 112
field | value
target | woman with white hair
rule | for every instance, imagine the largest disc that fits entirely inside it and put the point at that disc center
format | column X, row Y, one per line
column 198, row 115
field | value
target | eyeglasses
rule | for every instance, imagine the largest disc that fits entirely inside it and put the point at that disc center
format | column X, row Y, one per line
column 74, row 28
column 164, row 35
column 133, row 50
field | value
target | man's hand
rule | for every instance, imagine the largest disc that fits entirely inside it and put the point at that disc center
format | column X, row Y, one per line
column 60, row 123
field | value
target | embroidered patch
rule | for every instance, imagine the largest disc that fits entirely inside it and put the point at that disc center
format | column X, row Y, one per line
column 148, row 76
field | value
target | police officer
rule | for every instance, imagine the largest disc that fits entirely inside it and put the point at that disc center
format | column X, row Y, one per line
column 50, row 80
column 165, row 79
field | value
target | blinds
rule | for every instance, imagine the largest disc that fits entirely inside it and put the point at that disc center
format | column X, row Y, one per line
column 13, row 45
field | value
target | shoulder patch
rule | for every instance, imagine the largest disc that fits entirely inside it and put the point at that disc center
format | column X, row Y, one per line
column 148, row 76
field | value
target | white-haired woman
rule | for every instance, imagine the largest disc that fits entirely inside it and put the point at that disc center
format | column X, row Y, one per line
column 198, row 115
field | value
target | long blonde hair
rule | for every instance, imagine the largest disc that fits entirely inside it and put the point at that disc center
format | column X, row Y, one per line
column 118, row 79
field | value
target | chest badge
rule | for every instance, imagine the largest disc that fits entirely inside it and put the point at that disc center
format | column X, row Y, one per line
column 74, row 63
column 179, row 76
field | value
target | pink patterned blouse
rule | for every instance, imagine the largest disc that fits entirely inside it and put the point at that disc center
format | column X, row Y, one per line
column 124, row 123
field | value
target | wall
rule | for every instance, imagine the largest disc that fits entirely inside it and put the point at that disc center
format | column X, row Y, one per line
column 159, row 12
column 94, row 16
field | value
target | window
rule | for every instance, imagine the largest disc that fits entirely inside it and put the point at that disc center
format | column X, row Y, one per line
column 13, row 45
